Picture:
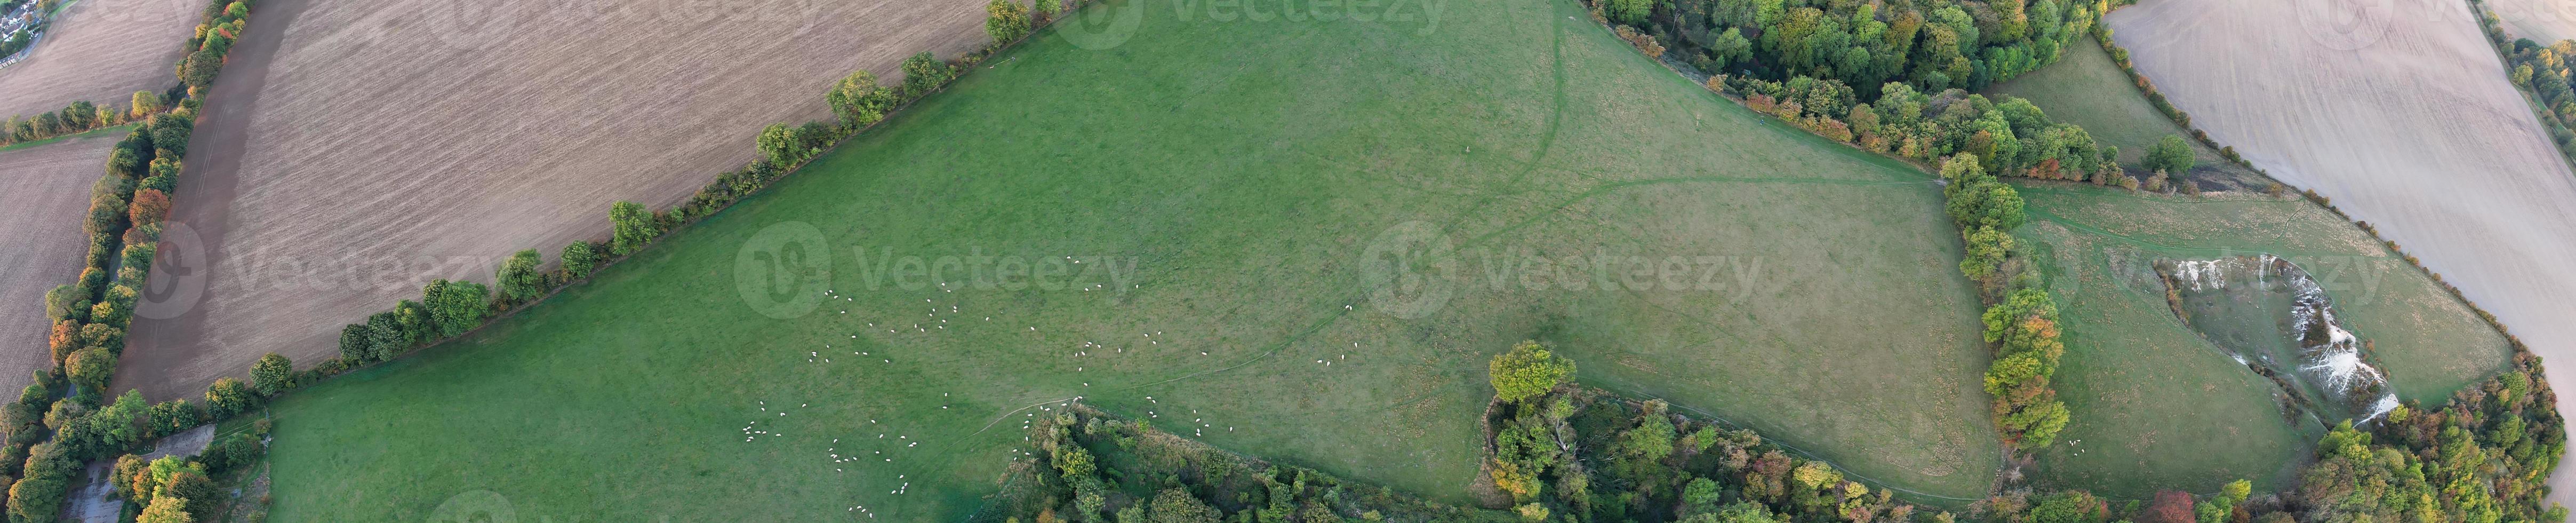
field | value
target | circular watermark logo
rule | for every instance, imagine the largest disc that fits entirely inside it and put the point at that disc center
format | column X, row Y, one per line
column 1411, row 270
column 481, row 506
column 177, row 279
column 783, row 270
column 473, row 26
column 2346, row 25
column 1103, row 27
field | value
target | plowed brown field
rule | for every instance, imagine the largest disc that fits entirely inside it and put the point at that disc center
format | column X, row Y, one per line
column 44, row 196
column 2400, row 112
column 101, row 51
column 357, row 149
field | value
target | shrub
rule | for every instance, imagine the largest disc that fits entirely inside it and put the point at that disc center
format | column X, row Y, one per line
column 455, row 306
column 39, row 497
column 106, row 215
column 139, row 257
column 116, row 307
column 199, row 70
column 385, row 336
column 634, row 227
column 66, row 302
column 417, row 325
column 91, row 367
column 922, row 73
column 63, row 338
column 170, row 133
column 1987, row 247
column 519, row 278
column 228, row 396
column 1526, row 371
column 150, row 205
column 579, row 258
column 123, row 162
column 170, row 417
column 780, row 143
column 103, row 336
column 859, row 101
column 1006, row 21
column 231, row 452
column 1628, row 12
column 144, row 104
column 357, row 343
column 2171, row 155
column 272, row 374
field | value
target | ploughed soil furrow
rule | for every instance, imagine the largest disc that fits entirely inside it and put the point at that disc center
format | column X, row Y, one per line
column 354, row 150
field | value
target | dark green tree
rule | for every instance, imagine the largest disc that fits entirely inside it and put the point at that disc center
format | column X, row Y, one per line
column 634, row 226
column 272, row 374
column 520, row 280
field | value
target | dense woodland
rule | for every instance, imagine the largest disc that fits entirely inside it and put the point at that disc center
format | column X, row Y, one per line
column 1931, row 45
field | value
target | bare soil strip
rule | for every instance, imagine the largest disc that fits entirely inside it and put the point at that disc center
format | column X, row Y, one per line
column 2402, row 116
column 356, row 149
column 101, row 51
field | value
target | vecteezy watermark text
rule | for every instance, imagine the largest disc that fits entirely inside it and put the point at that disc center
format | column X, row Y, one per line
column 978, row 270
column 1413, row 269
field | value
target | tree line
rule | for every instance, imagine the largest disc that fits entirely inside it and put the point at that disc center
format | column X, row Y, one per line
column 450, row 308
column 79, row 117
column 1559, row 452
column 2542, row 73
column 1930, row 45
column 66, row 417
column 1566, row 453
column 1088, row 466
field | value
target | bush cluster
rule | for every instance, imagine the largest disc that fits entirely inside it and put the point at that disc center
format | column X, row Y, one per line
column 1091, row 467
column 2542, row 73
column 79, row 117
column 175, row 489
column 1928, row 45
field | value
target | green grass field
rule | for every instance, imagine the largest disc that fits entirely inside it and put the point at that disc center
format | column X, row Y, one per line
column 1242, row 175
column 2159, row 407
column 2086, row 88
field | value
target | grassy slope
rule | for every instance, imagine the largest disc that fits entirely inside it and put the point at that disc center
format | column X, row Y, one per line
column 2086, row 88
column 2158, row 407
column 1244, row 167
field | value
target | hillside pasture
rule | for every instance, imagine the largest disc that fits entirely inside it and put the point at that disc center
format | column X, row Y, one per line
column 2086, row 88
column 2157, row 405
column 2402, row 116
column 355, row 150
column 1297, row 239
column 101, row 51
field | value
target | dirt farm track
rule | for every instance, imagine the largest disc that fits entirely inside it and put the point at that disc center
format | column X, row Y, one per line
column 44, row 196
column 356, row 149
column 2404, row 118
column 101, row 51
